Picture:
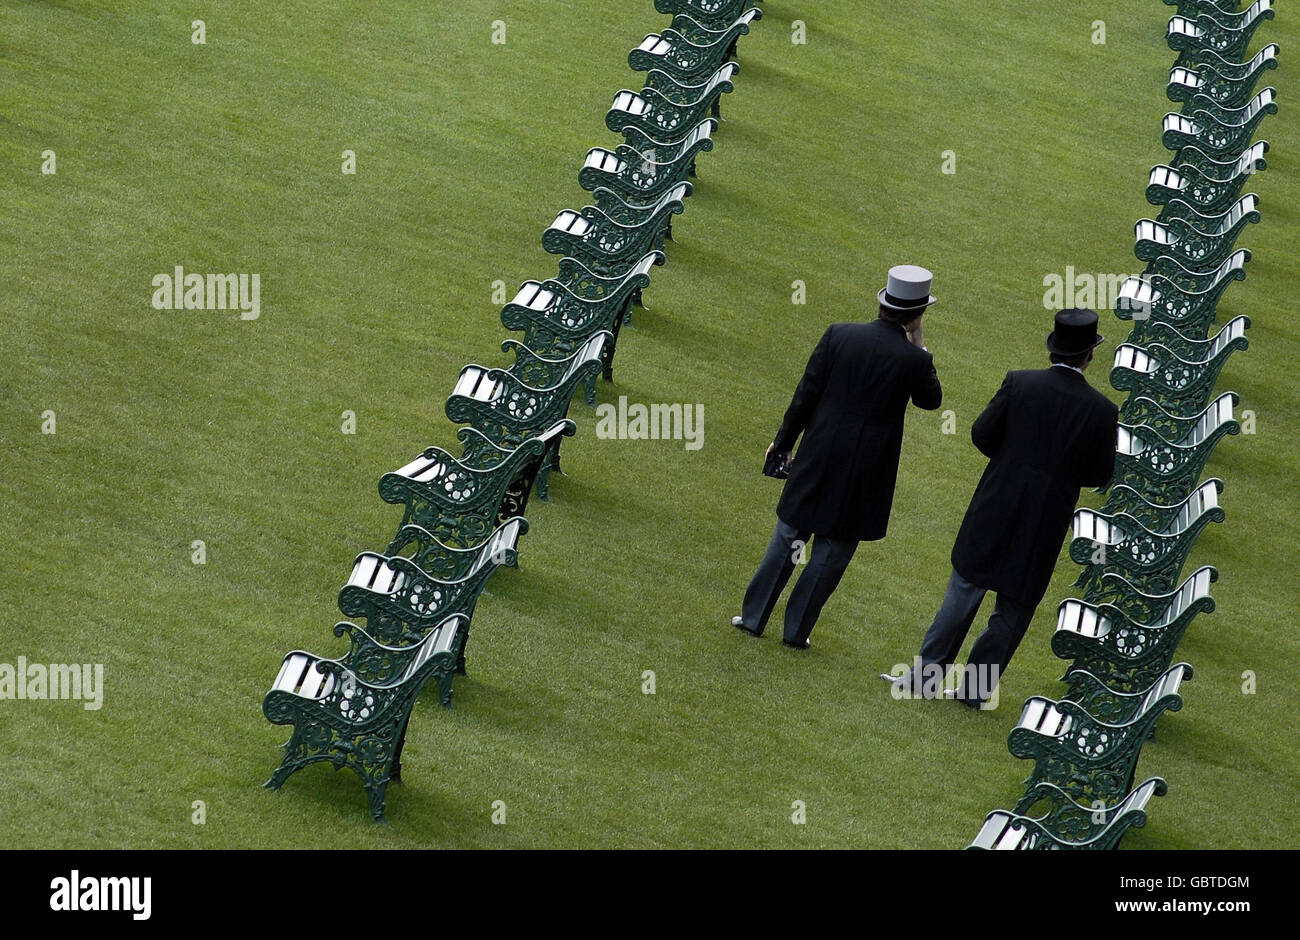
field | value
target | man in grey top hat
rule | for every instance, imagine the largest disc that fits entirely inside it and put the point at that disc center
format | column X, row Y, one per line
column 849, row 407
column 1047, row 433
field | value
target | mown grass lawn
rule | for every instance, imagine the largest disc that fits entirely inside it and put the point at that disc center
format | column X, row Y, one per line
column 174, row 426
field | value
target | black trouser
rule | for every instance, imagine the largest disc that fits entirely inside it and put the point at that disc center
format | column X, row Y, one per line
column 992, row 650
column 826, row 563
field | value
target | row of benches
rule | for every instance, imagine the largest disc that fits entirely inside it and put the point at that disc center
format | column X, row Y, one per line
column 1122, row 634
column 463, row 515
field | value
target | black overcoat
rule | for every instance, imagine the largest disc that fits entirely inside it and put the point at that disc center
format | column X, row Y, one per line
column 849, row 406
column 1047, row 433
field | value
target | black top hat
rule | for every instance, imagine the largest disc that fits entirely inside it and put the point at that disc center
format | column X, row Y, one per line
column 1075, row 333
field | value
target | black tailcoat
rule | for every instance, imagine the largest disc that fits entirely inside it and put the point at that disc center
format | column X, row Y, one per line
column 1047, row 433
column 849, row 407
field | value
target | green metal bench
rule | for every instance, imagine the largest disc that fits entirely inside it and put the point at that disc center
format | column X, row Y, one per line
column 1135, row 501
column 1201, row 351
column 342, row 719
column 1193, row 7
column 688, row 50
column 1147, row 460
column 1228, row 34
column 634, row 211
column 1194, row 238
column 656, row 115
column 1178, row 379
column 1110, row 705
column 1215, row 132
column 713, row 13
column 1202, row 191
column 611, row 248
column 1197, row 280
column 692, row 94
column 558, row 316
column 1092, row 759
column 1230, row 84
column 1146, row 412
column 640, row 175
column 400, row 599
column 1187, row 301
column 1155, row 555
column 1064, row 824
column 462, row 500
column 1126, row 637
column 509, row 406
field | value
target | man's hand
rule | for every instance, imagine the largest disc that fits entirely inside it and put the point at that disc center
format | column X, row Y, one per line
column 785, row 458
column 914, row 335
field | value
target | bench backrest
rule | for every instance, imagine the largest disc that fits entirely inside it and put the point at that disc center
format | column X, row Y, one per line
column 1193, row 589
column 1246, row 162
column 1234, row 262
column 1233, row 330
column 1240, row 209
column 440, row 639
column 1166, row 685
column 1261, row 101
column 702, row 132
column 676, row 194
column 1252, row 13
column 592, row 349
column 1215, row 416
column 724, row 74
column 1267, row 54
column 504, row 539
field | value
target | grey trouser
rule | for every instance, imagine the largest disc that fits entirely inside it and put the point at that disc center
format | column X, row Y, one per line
column 994, row 647
column 825, row 567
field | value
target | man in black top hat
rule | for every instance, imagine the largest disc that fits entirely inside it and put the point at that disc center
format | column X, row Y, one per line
column 1047, row 433
column 849, row 407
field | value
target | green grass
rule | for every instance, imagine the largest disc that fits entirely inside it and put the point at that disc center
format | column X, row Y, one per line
column 175, row 426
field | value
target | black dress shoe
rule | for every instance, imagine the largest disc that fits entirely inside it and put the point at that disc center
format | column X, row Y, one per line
column 797, row 646
column 739, row 624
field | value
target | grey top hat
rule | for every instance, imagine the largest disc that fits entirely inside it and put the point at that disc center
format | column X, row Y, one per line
column 908, row 288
